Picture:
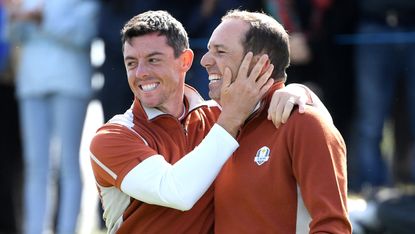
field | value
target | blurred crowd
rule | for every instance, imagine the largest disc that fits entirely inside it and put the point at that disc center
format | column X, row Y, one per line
column 358, row 56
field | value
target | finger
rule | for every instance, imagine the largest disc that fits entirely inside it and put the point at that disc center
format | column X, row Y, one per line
column 243, row 69
column 277, row 115
column 256, row 70
column 272, row 106
column 271, row 112
column 264, row 78
column 227, row 77
column 302, row 102
column 264, row 88
column 265, row 67
column 288, row 107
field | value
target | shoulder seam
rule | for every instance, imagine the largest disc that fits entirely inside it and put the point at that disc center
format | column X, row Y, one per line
column 102, row 165
column 126, row 120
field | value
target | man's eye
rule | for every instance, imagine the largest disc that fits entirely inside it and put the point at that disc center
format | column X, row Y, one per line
column 153, row 60
column 130, row 64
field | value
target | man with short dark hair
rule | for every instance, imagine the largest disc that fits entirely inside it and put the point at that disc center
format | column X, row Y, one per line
column 274, row 173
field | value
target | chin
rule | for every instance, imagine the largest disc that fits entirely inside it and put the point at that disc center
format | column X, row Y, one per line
column 149, row 104
column 214, row 97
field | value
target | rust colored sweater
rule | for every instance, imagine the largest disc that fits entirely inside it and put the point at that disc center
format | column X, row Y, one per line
column 118, row 148
column 261, row 187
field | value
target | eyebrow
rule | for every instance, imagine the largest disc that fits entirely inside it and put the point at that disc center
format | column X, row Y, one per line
column 149, row 55
column 216, row 46
column 154, row 54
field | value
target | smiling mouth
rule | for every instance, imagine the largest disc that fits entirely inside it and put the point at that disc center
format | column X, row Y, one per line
column 149, row 87
column 214, row 78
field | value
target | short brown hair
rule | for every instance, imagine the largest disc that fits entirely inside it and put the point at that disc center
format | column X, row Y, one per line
column 267, row 36
column 160, row 22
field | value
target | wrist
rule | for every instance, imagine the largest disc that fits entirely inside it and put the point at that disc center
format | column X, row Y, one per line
column 230, row 124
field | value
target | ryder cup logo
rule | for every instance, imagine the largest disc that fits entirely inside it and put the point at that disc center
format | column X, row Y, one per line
column 262, row 155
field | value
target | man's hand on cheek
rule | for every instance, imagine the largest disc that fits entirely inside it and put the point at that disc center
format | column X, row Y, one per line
column 239, row 98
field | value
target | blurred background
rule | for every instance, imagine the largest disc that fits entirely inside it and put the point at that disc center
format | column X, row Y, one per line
column 357, row 56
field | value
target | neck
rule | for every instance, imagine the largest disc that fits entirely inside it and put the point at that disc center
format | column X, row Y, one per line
column 256, row 106
column 175, row 109
column 174, row 105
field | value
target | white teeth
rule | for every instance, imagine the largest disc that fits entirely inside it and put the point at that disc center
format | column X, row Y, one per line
column 214, row 77
column 149, row 87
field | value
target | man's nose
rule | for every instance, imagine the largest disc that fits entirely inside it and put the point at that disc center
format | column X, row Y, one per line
column 206, row 60
column 141, row 70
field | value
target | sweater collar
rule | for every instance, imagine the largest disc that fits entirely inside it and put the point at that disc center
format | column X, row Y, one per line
column 268, row 96
column 191, row 101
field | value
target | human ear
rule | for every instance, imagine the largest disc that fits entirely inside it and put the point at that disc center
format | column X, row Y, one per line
column 187, row 59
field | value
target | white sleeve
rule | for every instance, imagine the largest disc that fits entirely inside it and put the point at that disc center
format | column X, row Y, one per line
column 179, row 186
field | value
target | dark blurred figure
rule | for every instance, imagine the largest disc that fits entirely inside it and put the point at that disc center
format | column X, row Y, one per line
column 385, row 69
column 385, row 57
column 396, row 215
column 10, row 148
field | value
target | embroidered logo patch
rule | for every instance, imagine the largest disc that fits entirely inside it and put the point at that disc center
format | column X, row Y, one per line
column 262, row 155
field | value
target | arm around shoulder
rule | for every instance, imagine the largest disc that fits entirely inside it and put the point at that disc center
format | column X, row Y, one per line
column 142, row 173
column 180, row 185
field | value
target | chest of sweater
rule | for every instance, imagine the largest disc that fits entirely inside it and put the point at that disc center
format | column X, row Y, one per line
column 173, row 138
column 263, row 160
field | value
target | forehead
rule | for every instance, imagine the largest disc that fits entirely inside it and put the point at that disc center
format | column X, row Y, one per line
column 229, row 33
column 148, row 43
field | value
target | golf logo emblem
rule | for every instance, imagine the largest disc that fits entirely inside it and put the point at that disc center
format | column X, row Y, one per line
column 262, row 155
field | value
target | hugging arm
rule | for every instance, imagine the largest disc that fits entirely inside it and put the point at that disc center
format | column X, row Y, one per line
column 154, row 179
column 284, row 100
